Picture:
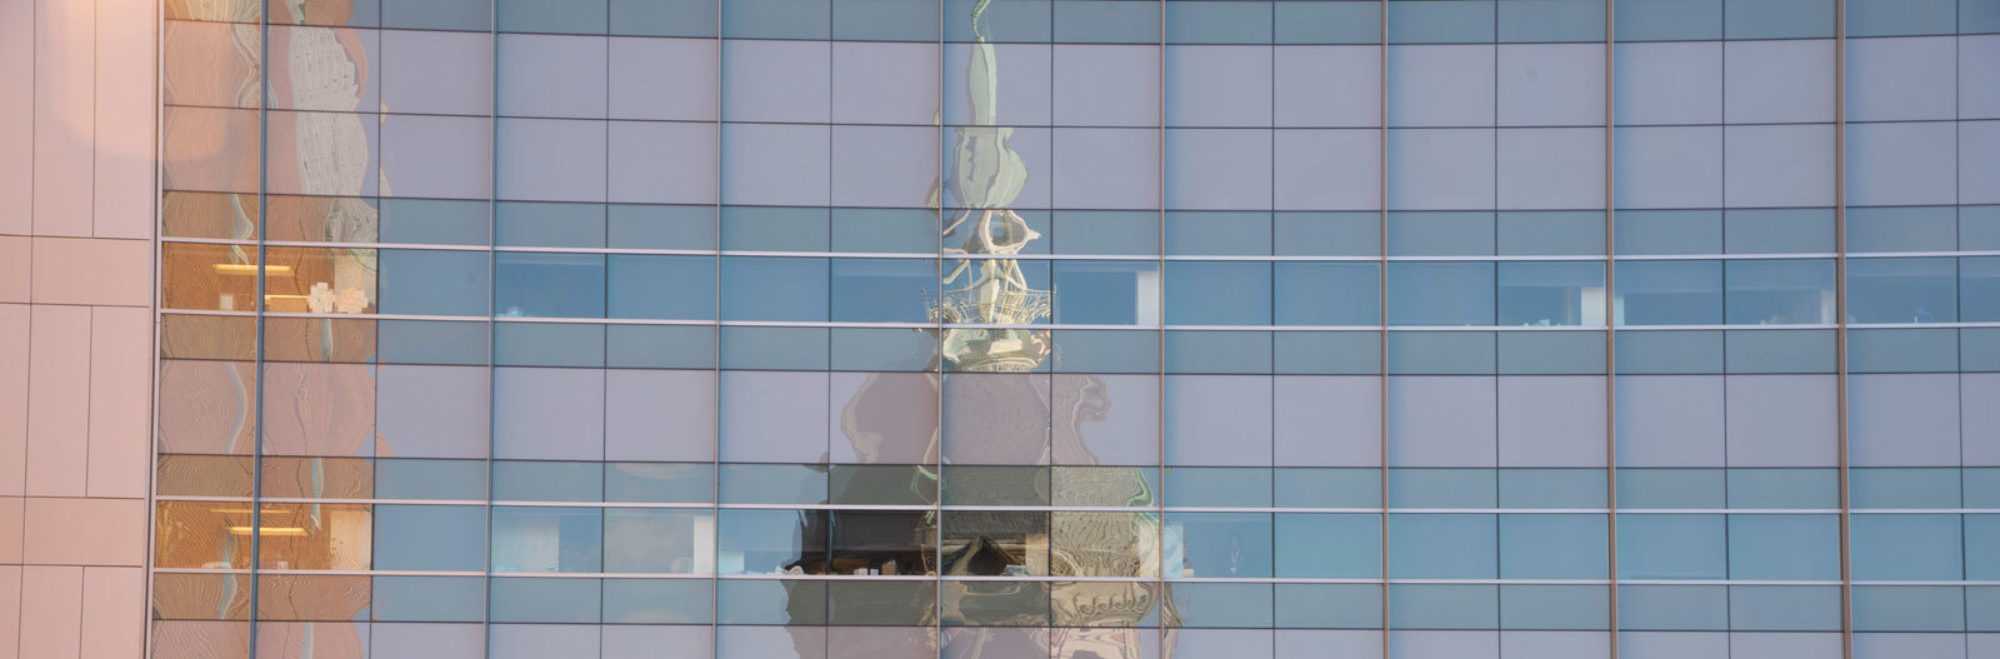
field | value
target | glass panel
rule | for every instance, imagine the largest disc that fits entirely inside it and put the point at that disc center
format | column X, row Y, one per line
column 549, row 539
column 986, row 543
column 1779, row 292
column 1544, row 294
column 772, row 542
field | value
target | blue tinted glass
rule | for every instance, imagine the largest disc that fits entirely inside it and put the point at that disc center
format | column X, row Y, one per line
column 1906, row 547
column 1552, row 547
column 435, row 221
column 1218, row 21
column 1672, row 547
column 1327, row 234
column 432, row 282
column 660, row 227
column 659, row 601
column 1106, row 232
column 548, row 224
column 1444, row 606
column 1200, row 487
column 773, row 483
column 545, row 600
column 1668, row 232
column 1240, row 234
column 1542, row 294
column 1918, row 487
column 1441, row 234
column 884, row 230
column 1442, row 353
column 1779, row 292
column 547, row 539
column 433, row 342
column 1329, row 546
column 548, row 344
column 1784, row 488
column 1106, row 292
column 769, row 541
column 430, row 479
column 1982, row 547
column 1669, row 293
column 1219, row 545
column 1901, row 291
column 1901, row 16
column 1218, row 293
column 476, row 15
column 774, row 289
column 883, row 290
column 1778, row 19
column 1441, row 21
column 1440, row 293
column 664, row 18
column 1432, row 546
column 1557, row 233
column 658, row 541
column 998, row 20
column 547, row 285
column 1107, row 21
column 1552, row 488
column 762, row 19
column 1328, row 293
column 659, row 482
column 1223, row 604
column 775, row 229
column 430, row 538
column 1551, row 20
column 1903, row 229
column 1979, row 289
column 1778, row 231
column 671, row 287
column 1784, row 547
column 564, row 16
column 518, row 480
column 1443, row 488
column 1664, row 20
column 1553, row 606
column 1328, row 21
column 429, row 599
column 886, row 20
column 1670, row 488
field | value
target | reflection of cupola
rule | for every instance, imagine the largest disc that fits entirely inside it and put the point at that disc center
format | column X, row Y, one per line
column 987, row 287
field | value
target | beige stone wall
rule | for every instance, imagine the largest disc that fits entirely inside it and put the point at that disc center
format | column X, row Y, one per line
column 77, row 99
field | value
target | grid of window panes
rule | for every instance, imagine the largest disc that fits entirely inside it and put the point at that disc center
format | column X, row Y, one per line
column 597, row 328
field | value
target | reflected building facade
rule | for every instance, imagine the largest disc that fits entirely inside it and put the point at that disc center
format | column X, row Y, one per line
column 1077, row 329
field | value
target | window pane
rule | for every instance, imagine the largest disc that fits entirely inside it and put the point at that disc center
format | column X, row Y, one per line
column 1779, row 292
column 1440, row 293
column 1669, row 293
column 1551, row 294
column 1328, row 293
column 540, row 285
column 547, row 539
column 659, row 541
column 1218, row 293
column 772, row 542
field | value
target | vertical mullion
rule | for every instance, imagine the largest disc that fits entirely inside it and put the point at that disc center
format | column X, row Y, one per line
column 715, row 359
column 1382, row 308
column 492, row 327
column 1840, row 320
column 945, row 148
column 1610, row 328
column 263, row 263
column 1160, row 322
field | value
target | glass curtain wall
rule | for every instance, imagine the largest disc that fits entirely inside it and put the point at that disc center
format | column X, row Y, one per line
column 1109, row 329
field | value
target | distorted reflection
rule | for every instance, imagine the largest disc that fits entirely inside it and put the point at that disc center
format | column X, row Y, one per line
column 997, row 412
